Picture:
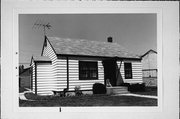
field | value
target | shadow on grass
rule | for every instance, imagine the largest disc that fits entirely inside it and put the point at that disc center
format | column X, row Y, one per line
column 148, row 91
column 87, row 100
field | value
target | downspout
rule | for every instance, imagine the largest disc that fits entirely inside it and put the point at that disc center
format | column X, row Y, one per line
column 67, row 59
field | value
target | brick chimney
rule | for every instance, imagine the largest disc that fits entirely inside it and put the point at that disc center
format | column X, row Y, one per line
column 110, row 39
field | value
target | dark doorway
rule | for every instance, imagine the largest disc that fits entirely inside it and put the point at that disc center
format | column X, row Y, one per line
column 110, row 70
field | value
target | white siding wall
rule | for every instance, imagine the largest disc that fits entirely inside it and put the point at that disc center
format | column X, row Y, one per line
column 45, row 79
column 74, row 75
column 33, row 76
column 50, row 72
column 61, row 67
column 48, row 51
column 136, row 72
column 149, row 61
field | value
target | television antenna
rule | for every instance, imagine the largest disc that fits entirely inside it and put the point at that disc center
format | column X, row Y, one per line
column 41, row 24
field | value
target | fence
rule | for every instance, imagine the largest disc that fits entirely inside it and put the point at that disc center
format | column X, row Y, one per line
column 149, row 73
column 150, row 77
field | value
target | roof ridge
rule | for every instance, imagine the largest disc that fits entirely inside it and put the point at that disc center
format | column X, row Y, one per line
column 82, row 39
column 89, row 47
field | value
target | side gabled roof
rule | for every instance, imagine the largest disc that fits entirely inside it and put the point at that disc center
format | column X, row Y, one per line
column 81, row 47
column 148, row 52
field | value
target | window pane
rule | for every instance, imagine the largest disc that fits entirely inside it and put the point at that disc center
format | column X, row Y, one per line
column 88, row 70
column 93, row 74
column 84, row 74
column 128, row 70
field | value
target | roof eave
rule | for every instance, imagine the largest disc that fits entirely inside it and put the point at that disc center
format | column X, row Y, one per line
column 41, row 61
column 148, row 52
column 103, row 57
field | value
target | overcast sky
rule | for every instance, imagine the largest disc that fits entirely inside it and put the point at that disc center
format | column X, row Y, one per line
column 135, row 32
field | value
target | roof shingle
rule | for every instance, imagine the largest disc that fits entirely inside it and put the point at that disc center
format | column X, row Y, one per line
column 82, row 47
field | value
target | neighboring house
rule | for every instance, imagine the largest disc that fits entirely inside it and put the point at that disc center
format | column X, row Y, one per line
column 149, row 67
column 66, row 63
column 25, row 78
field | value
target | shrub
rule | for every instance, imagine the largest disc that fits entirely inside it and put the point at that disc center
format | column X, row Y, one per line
column 78, row 92
column 99, row 88
column 137, row 87
column 125, row 84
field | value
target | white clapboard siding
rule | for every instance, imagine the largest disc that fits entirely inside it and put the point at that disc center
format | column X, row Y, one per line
column 46, row 82
column 136, row 72
column 100, row 71
column 84, row 84
column 58, row 72
column 48, row 51
column 33, row 75
column 61, row 74
column 61, row 69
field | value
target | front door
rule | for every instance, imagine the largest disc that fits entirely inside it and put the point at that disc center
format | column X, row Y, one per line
column 110, row 71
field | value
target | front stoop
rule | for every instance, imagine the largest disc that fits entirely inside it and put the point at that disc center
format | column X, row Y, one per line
column 117, row 90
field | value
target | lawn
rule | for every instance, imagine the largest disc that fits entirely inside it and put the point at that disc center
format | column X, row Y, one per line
column 87, row 100
column 148, row 91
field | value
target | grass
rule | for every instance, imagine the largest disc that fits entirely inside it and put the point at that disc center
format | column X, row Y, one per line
column 87, row 100
column 148, row 91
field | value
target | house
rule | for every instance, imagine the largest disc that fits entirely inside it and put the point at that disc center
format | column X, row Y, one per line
column 25, row 78
column 66, row 63
column 149, row 67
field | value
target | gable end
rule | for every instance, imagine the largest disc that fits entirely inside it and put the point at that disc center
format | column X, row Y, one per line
column 45, row 44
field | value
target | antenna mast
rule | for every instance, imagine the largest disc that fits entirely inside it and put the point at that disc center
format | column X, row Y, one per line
column 41, row 24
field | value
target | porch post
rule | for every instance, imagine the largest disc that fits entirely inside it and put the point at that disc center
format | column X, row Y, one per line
column 67, row 59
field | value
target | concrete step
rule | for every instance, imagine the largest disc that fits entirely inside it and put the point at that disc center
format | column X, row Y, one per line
column 117, row 90
column 120, row 91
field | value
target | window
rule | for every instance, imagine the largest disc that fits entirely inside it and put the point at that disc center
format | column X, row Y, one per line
column 128, row 70
column 88, row 70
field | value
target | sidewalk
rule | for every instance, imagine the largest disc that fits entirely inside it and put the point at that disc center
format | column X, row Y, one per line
column 22, row 97
column 137, row 95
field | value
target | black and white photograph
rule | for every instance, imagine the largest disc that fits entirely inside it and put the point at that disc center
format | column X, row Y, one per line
column 88, row 60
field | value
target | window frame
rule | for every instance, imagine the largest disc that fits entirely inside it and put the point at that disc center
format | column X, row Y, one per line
column 128, row 70
column 88, row 64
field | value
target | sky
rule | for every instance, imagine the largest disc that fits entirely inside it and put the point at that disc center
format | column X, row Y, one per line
column 135, row 32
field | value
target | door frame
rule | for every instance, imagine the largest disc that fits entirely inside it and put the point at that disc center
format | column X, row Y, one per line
column 108, row 70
